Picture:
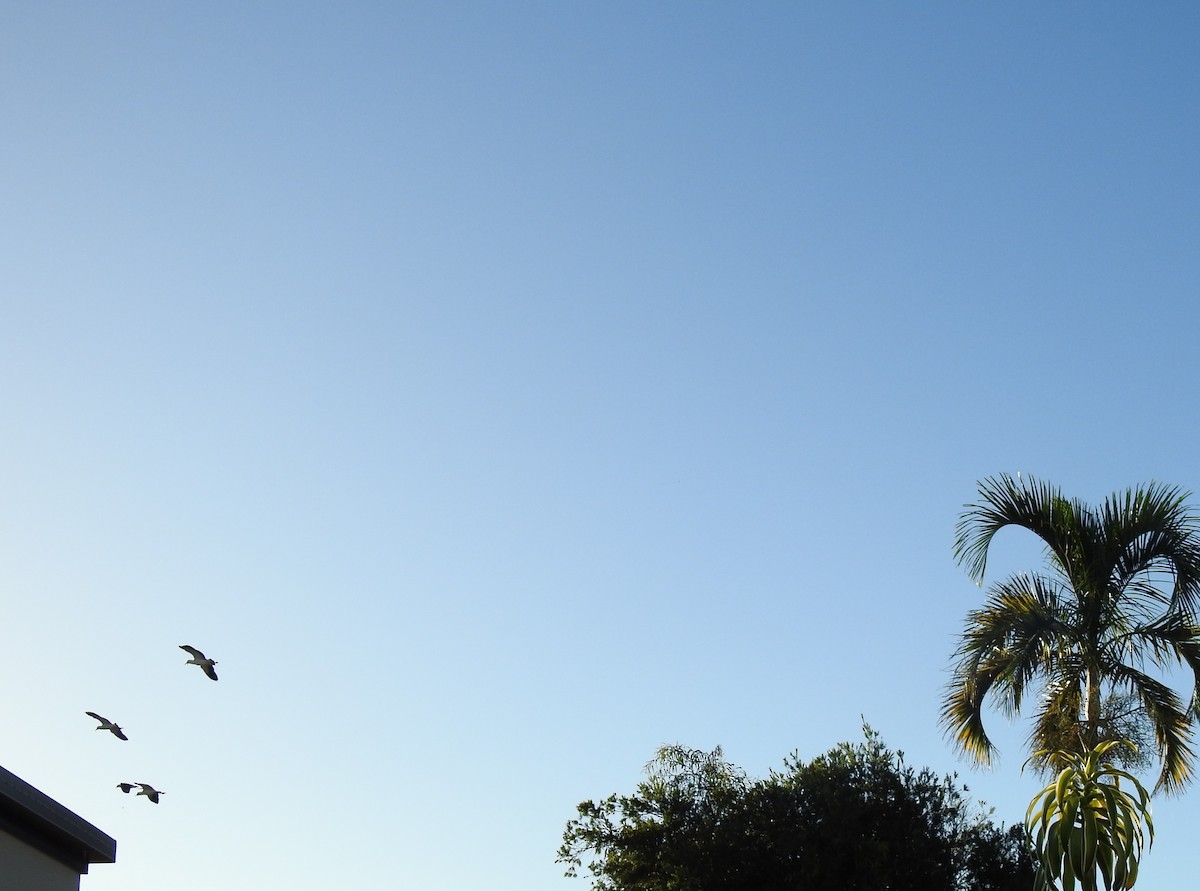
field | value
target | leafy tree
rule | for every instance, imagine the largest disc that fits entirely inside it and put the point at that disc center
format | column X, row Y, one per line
column 1121, row 591
column 857, row 818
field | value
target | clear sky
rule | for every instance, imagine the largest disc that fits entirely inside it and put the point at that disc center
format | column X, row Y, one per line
column 501, row 390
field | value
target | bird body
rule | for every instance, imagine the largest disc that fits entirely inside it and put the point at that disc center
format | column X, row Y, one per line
column 200, row 659
column 108, row 725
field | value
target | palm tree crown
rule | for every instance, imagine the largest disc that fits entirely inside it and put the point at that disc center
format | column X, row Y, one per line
column 1121, row 595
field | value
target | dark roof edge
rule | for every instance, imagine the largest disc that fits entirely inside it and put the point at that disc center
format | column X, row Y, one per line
column 63, row 834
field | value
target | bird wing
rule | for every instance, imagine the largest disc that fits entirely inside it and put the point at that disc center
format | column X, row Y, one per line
column 99, row 718
column 192, row 650
column 209, row 670
column 125, row 787
column 119, row 734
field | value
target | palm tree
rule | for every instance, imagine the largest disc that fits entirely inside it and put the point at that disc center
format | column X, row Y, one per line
column 1121, row 595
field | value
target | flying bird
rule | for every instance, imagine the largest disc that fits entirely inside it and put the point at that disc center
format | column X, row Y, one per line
column 146, row 789
column 200, row 659
column 106, row 724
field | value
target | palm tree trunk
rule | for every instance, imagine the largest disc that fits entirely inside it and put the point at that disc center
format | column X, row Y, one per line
column 1092, row 723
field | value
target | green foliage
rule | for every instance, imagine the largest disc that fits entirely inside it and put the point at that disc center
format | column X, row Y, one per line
column 857, row 817
column 1085, row 827
column 1121, row 591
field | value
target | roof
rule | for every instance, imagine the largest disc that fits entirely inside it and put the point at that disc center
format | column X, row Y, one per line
column 41, row 822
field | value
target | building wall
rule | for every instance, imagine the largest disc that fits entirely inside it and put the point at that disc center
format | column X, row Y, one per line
column 23, row 868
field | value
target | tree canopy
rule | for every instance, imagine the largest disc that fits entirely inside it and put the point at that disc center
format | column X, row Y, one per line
column 857, row 818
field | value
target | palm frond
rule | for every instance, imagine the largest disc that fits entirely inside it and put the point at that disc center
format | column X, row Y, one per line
column 1018, row 634
column 962, row 715
column 1152, row 527
column 1008, row 501
column 1176, row 641
column 1057, row 724
column 1169, row 641
column 1172, row 725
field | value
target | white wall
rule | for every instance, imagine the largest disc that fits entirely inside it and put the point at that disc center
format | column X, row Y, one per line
column 23, row 868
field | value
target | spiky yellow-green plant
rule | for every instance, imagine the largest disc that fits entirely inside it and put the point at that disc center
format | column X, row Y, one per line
column 1084, row 827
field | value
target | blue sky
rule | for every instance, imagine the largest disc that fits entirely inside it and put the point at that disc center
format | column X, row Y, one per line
column 499, row 391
